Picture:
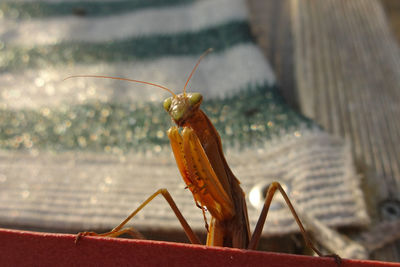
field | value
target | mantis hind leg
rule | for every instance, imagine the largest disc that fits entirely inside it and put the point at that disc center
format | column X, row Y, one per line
column 263, row 216
column 119, row 230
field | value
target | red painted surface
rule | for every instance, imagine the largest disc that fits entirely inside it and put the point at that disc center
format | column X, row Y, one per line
column 21, row 248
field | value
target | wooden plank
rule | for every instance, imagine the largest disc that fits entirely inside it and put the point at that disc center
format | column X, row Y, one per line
column 344, row 66
column 271, row 25
column 354, row 79
column 351, row 87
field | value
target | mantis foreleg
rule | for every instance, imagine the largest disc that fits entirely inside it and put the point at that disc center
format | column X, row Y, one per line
column 119, row 230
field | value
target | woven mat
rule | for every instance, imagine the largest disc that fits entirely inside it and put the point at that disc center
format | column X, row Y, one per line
column 81, row 154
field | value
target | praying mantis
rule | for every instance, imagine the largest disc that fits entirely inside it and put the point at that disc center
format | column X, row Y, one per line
column 198, row 152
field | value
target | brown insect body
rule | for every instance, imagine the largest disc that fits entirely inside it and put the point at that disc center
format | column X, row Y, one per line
column 229, row 223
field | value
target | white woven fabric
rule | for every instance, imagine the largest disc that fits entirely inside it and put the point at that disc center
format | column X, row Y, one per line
column 76, row 191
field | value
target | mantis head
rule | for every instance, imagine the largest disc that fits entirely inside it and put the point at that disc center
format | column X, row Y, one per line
column 182, row 106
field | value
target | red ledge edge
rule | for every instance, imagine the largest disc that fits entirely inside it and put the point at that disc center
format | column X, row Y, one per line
column 23, row 248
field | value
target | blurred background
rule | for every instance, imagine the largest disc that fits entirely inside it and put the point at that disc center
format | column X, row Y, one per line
column 81, row 154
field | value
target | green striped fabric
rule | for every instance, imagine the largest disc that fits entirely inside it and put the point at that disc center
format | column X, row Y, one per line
column 251, row 117
column 137, row 48
column 79, row 154
column 27, row 10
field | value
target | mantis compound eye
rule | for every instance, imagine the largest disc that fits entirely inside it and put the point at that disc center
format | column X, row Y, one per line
column 167, row 103
column 195, row 99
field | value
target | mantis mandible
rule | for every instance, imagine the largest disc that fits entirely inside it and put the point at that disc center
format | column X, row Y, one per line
column 198, row 152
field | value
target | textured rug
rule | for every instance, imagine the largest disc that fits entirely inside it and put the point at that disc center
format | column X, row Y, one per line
column 81, row 154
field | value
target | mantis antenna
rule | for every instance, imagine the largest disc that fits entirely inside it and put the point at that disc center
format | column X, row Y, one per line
column 195, row 67
column 144, row 82
column 122, row 79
